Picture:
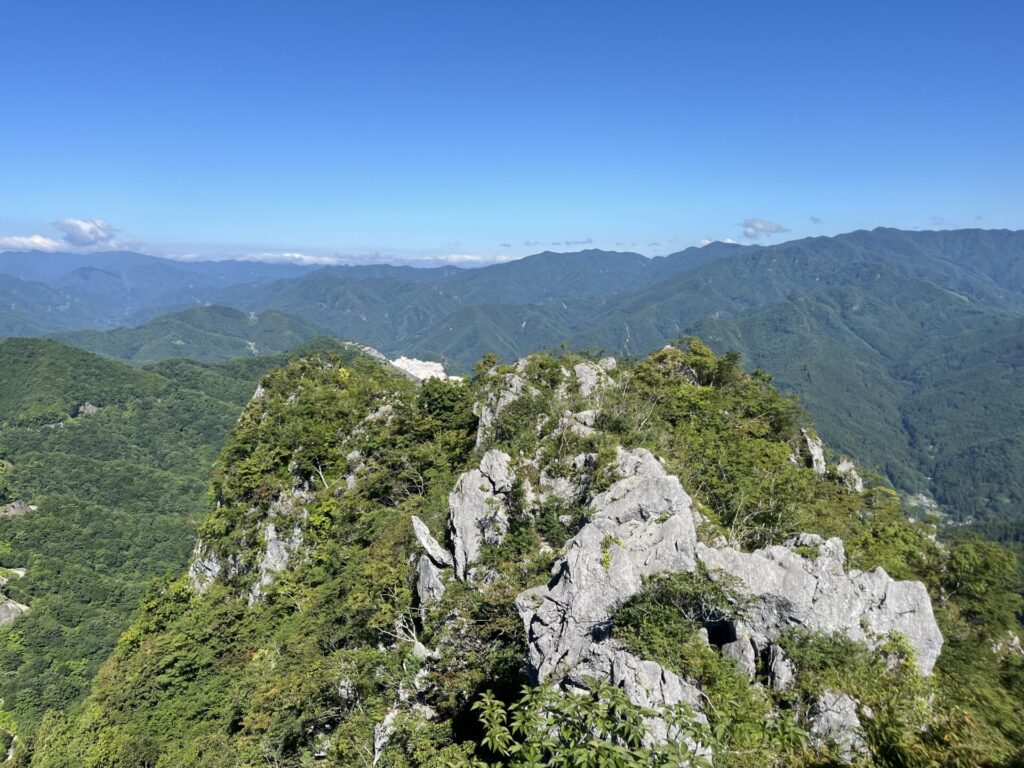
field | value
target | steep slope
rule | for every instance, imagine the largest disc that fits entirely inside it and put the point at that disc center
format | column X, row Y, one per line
column 378, row 555
column 905, row 375
column 110, row 466
column 206, row 334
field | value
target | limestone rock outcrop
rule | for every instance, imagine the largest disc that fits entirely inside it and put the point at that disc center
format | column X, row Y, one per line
column 279, row 551
column 645, row 683
column 441, row 556
column 16, row 508
column 429, row 585
column 204, row 568
column 810, row 452
column 479, row 508
column 639, row 527
column 850, row 476
column 818, row 594
column 833, row 719
column 10, row 610
column 511, row 387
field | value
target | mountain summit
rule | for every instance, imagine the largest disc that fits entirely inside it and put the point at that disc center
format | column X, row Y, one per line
column 404, row 574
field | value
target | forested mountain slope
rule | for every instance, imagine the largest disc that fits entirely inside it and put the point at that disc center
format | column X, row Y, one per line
column 377, row 556
column 854, row 324
column 106, row 467
column 207, row 334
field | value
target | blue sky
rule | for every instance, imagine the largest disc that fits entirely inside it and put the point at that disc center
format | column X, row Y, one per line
column 471, row 131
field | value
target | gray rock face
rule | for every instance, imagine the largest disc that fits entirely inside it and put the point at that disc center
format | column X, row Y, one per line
column 10, row 610
column 382, row 733
column 646, row 683
column 495, row 466
column 511, row 388
column 639, row 527
column 793, row 591
column 590, row 378
column 742, row 654
column 581, row 423
column 275, row 558
column 282, row 536
column 15, row 508
column 833, row 719
column 86, row 409
column 780, row 669
column 478, row 510
column 429, row 586
column 435, row 551
column 204, row 568
column 851, row 478
column 568, row 489
column 811, row 452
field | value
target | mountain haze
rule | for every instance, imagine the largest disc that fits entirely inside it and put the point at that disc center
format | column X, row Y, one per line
column 853, row 324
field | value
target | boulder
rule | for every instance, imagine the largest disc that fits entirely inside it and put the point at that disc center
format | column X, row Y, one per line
column 639, row 527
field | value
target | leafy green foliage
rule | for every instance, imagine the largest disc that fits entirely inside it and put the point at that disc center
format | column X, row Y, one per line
column 117, row 493
column 598, row 728
column 337, row 645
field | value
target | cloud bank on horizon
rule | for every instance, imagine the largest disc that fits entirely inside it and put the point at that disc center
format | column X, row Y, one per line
column 79, row 235
column 90, row 235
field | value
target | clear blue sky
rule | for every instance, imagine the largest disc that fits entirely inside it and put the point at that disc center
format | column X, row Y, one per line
column 494, row 129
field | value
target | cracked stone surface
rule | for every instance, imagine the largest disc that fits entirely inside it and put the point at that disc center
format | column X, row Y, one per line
column 817, row 594
column 639, row 527
column 478, row 509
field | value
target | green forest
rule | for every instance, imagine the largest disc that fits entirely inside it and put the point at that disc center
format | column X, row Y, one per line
column 117, row 494
column 302, row 664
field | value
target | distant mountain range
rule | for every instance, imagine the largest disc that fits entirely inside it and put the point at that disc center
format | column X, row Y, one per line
column 908, row 347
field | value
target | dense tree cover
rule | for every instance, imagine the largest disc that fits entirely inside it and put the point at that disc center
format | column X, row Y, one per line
column 206, row 334
column 905, row 345
column 309, row 670
column 117, row 493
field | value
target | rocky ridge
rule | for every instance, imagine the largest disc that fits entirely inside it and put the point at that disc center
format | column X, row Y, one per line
column 637, row 522
column 644, row 524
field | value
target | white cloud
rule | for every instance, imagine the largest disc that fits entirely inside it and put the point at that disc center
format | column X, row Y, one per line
column 30, row 243
column 702, row 243
column 754, row 228
column 472, row 258
column 85, row 232
column 78, row 235
column 281, row 257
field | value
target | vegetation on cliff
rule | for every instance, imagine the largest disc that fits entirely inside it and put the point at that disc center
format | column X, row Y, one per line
column 300, row 635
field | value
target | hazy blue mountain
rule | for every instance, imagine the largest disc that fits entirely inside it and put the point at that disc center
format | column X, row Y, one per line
column 105, row 289
column 864, row 315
